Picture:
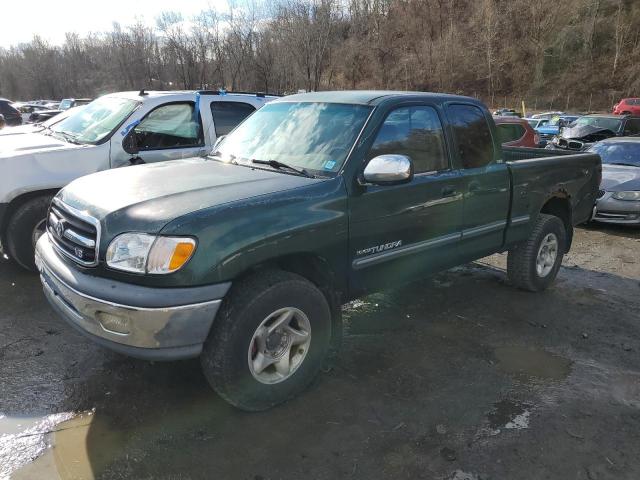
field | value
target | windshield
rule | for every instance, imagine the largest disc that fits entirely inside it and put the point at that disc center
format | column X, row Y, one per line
column 97, row 120
column 612, row 124
column 625, row 153
column 312, row 136
column 554, row 122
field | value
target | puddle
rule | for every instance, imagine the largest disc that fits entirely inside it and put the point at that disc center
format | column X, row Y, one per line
column 87, row 444
column 509, row 414
column 530, row 362
column 80, row 448
column 24, row 438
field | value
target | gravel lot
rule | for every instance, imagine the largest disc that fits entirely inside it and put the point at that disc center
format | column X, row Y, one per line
column 457, row 377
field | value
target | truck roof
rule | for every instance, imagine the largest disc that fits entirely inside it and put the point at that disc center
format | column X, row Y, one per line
column 367, row 97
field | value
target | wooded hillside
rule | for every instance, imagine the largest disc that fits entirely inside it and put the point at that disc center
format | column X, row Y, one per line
column 568, row 54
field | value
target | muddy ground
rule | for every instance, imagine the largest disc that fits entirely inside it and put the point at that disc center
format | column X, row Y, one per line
column 458, row 377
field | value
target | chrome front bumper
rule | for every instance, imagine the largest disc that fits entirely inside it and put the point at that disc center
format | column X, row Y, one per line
column 152, row 333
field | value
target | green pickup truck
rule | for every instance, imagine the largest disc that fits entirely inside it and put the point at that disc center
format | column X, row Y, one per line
column 244, row 257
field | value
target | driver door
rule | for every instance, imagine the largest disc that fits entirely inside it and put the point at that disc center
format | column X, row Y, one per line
column 168, row 132
column 401, row 232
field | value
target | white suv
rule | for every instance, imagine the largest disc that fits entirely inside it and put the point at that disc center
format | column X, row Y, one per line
column 116, row 130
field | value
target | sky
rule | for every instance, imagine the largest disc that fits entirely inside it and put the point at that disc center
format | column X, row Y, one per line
column 51, row 19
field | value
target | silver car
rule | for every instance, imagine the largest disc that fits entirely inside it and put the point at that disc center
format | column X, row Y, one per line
column 619, row 196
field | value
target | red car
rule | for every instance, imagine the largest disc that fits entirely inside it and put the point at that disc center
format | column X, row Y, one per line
column 627, row 106
column 516, row 132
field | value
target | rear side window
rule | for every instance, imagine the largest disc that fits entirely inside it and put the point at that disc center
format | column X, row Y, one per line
column 174, row 125
column 226, row 115
column 5, row 108
column 415, row 132
column 472, row 135
column 632, row 127
column 509, row 132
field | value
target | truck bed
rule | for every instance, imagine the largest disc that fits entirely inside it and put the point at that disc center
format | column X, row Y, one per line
column 513, row 154
column 538, row 174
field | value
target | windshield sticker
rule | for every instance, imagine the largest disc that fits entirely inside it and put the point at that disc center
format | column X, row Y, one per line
column 329, row 164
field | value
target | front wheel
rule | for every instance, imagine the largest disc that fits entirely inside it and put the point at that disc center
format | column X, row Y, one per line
column 26, row 226
column 268, row 341
column 533, row 264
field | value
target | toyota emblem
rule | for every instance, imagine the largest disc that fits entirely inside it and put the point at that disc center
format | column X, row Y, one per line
column 59, row 229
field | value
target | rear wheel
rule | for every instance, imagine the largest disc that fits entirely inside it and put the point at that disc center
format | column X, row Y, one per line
column 533, row 264
column 268, row 341
column 26, row 226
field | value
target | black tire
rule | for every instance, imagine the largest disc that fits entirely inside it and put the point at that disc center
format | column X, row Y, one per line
column 20, row 246
column 521, row 261
column 225, row 353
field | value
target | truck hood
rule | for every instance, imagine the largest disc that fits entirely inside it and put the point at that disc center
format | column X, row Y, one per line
column 15, row 145
column 21, row 129
column 620, row 178
column 147, row 197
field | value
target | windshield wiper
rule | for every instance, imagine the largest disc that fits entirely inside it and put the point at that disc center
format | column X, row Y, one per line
column 278, row 165
column 68, row 137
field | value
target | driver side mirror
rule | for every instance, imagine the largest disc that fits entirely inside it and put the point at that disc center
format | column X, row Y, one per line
column 130, row 143
column 388, row 170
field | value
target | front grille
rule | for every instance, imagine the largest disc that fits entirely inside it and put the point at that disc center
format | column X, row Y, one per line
column 74, row 234
column 575, row 145
column 601, row 193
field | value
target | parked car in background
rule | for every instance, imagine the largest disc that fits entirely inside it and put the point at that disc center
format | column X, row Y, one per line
column 115, row 130
column 619, row 195
column 552, row 128
column 537, row 122
column 38, row 127
column 67, row 103
column 11, row 114
column 39, row 116
column 589, row 129
column 27, row 109
column 516, row 132
column 244, row 258
column 547, row 115
column 627, row 106
column 64, row 105
column 506, row 112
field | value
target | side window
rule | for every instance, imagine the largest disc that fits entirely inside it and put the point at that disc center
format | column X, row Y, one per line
column 509, row 132
column 632, row 127
column 472, row 135
column 226, row 115
column 170, row 126
column 415, row 132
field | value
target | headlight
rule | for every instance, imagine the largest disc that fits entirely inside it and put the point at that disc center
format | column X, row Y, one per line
column 626, row 195
column 144, row 253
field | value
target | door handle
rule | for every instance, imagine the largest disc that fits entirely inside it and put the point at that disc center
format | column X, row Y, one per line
column 448, row 191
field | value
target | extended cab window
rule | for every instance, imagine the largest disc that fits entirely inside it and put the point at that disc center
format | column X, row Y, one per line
column 509, row 132
column 415, row 132
column 226, row 115
column 472, row 135
column 173, row 125
column 632, row 127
